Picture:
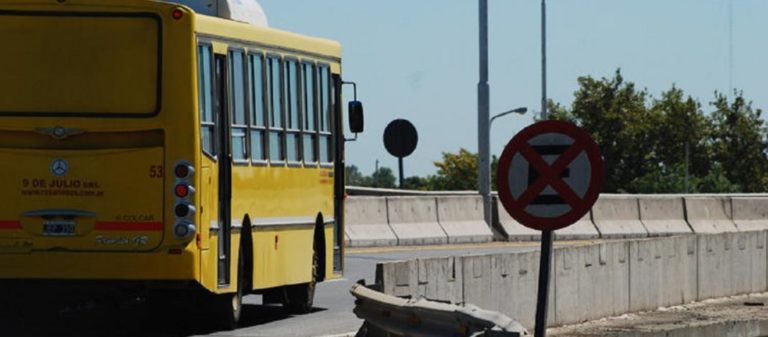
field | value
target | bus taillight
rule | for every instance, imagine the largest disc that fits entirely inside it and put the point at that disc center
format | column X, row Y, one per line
column 177, row 13
column 183, row 170
column 183, row 190
column 184, row 210
column 184, row 230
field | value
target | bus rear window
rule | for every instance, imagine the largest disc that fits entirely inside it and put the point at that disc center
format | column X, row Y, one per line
column 79, row 64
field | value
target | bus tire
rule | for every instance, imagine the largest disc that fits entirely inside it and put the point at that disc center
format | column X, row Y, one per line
column 230, row 306
column 300, row 297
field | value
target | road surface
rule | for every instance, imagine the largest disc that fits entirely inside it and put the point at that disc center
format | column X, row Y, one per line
column 332, row 313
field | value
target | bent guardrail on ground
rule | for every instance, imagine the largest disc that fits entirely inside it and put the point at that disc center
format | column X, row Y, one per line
column 387, row 315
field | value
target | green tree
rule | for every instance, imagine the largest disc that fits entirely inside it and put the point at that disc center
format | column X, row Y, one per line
column 673, row 180
column 683, row 128
column 456, row 172
column 613, row 112
column 353, row 176
column 740, row 142
column 416, row 183
column 383, row 178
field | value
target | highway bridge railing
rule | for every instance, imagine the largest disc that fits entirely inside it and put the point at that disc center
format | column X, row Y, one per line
column 385, row 217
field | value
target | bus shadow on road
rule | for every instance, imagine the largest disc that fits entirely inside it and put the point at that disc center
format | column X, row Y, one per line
column 135, row 321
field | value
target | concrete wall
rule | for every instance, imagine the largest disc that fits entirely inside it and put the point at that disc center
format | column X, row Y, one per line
column 414, row 221
column 378, row 221
column 462, row 219
column 367, row 223
column 663, row 216
column 750, row 213
column 513, row 230
column 663, row 272
column 593, row 277
column 618, row 216
column 709, row 214
column 583, row 229
column 592, row 281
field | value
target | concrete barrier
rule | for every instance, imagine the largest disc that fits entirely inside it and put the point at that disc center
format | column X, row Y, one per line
column 516, row 281
column 583, row 229
column 663, row 216
column 750, row 214
column 367, row 223
column 398, row 278
column 618, row 216
column 759, row 261
column 414, row 220
column 732, row 264
column 591, row 282
column 462, row 219
column 709, row 215
column 513, row 230
column 662, row 272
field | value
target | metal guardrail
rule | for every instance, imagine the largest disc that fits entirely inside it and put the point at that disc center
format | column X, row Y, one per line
column 389, row 316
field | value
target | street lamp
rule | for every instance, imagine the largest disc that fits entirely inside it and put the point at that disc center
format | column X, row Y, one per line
column 520, row 111
column 487, row 162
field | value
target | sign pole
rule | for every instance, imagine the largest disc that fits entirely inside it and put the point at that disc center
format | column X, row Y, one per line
column 545, row 266
column 400, row 165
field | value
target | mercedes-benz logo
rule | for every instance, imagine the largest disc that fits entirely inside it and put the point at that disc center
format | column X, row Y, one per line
column 59, row 167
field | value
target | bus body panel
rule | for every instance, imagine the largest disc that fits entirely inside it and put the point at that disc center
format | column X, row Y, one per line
column 66, row 200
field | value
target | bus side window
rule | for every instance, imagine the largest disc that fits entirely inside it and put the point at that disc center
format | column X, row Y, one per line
column 205, row 94
column 325, row 113
column 257, row 107
column 237, row 104
column 293, row 135
column 275, row 109
column 309, row 125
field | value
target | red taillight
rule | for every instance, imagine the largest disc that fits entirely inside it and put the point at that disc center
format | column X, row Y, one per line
column 177, row 13
column 182, row 190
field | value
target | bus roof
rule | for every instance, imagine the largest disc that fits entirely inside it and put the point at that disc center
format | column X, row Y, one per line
column 209, row 26
column 248, row 11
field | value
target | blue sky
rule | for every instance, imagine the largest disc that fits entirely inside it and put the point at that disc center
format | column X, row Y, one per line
column 419, row 60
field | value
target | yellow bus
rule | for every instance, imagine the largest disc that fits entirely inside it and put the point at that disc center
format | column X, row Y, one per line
column 150, row 149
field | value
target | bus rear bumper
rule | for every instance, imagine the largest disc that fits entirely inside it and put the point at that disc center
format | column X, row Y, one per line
column 100, row 266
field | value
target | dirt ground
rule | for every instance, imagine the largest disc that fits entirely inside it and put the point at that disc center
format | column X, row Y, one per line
column 694, row 316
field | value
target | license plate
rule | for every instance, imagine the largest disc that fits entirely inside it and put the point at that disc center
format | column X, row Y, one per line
column 59, row 227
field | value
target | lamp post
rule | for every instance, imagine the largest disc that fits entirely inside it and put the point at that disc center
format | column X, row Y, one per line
column 483, row 112
column 487, row 168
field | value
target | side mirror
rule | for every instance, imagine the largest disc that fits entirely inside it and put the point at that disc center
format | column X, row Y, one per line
column 356, row 123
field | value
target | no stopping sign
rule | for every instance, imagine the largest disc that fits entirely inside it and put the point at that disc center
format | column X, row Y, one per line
column 549, row 175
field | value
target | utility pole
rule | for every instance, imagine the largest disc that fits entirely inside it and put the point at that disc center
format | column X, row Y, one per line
column 483, row 114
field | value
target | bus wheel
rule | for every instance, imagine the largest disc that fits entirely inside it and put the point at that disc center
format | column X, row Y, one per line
column 230, row 306
column 301, row 296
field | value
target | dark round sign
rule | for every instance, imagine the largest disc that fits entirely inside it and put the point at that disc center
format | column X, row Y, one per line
column 549, row 175
column 400, row 138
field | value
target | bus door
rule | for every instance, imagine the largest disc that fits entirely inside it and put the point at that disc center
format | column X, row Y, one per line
column 339, row 164
column 225, row 169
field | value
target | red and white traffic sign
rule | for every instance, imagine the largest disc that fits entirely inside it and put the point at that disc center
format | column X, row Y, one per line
column 549, row 175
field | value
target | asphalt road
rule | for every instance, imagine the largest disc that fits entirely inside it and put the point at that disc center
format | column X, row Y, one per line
column 332, row 314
